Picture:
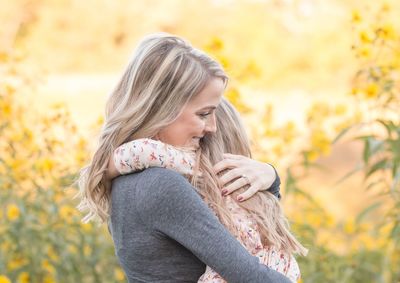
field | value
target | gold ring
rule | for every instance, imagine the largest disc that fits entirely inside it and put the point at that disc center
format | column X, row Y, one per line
column 247, row 179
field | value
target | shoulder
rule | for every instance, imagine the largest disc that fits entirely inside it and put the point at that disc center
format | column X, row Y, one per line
column 161, row 177
column 163, row 194
column 149, row 177
column 153, row 185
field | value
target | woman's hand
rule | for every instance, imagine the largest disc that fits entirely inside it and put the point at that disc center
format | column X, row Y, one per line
column 244, row 171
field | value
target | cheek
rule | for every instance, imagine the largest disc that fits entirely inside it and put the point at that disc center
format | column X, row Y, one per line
column 198, row 125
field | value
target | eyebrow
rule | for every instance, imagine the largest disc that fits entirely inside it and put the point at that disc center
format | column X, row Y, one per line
column 208, row 108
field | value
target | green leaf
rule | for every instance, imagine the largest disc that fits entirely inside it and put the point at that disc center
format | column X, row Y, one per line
column 389, row 125
column 359, row 167
column 380, row 165
column 342, row 133
column 366, row 211
column 373, row 184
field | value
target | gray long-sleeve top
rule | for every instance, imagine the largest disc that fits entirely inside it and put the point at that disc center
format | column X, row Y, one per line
column 164, row 232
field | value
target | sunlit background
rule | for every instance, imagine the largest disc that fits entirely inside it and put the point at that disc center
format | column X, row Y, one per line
column 316, row 81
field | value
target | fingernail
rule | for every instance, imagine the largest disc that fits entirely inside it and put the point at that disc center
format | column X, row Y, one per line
column 240, row 198
column 224, row 192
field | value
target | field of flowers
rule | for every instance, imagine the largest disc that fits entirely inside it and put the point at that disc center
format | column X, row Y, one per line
column 42, row 237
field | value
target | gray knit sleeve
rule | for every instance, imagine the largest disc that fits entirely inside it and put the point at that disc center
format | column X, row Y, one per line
column 169, row 205
column 275, row 187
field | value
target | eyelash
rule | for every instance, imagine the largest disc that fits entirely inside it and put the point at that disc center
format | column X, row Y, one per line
column 204, row 115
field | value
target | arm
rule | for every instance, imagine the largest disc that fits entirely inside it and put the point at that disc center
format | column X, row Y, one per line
column 173, row 208
column 139, row 154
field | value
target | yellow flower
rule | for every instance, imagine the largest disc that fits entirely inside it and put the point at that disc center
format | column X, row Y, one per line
column 371, row 90
column 87, row 250
column 49, row 279
column 72, row 249
column 368, row 242
column 356, row 17
column 224, row 61
column 16, row 263
column 53, row 255
column 366, row 36
column 5, row 110
column 67, row 213
column 386, row 7
column 46, row 265
column 4, row 279
column 289, row 132
column 23, row 277
column 87, row 227
column 387, row 32
column 216, row 44
column 312, row 155
column 329, row 221
column 81, row 157
column 318, row 111
column 320, row 142
column 326, row 149
column 233, row 96
column 5, row 246
column 99, row 121
column 278, row 149
column 349, row 227
column 355, row 91
column 119, row 274
column 314, row 219
column 4, row 56
column 340, row 109
column 364, row 51
column 13, row 212
column 45, row 165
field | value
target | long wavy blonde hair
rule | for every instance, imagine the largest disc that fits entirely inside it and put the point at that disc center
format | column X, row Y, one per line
column 264, row 207
column 163, row 75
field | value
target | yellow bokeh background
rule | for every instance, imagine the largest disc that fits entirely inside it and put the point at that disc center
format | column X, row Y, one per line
column 316, row 82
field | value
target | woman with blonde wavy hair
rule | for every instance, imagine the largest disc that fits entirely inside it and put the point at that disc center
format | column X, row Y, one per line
column 162, row 229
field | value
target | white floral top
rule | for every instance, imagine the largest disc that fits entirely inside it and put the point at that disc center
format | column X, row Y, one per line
column 143, row 153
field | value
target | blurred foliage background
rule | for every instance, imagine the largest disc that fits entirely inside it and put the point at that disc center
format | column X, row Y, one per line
column 317, row 82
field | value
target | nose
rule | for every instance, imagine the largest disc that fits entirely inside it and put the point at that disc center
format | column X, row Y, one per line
column 211, row 124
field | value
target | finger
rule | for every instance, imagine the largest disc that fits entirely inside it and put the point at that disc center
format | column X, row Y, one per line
column 237, row 184
column 232, row 156
column 230, row 176
column 224, row 164
column 248, row 193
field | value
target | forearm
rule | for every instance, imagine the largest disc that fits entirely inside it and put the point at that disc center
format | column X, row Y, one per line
column 139, row 154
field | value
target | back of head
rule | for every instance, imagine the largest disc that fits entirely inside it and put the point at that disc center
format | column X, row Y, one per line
column 265, row 208
column 164, row 73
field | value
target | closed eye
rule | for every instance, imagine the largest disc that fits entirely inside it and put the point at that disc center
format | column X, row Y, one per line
column 204, row 115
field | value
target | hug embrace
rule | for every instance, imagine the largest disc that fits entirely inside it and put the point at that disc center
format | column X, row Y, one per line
column 173, row 177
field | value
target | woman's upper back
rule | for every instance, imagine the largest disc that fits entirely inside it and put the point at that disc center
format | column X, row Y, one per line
column 164, row 232
column 146, row 254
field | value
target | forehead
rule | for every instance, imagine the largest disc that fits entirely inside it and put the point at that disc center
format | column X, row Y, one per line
column 210, row 95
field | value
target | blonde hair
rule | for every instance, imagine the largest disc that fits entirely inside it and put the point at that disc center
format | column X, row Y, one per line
column 264, row 207
column 163, row 75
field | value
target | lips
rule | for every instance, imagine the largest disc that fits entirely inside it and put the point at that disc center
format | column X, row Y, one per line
column 196, row 140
